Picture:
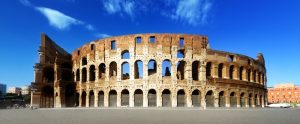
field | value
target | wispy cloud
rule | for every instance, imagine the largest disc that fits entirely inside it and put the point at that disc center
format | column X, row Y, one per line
column 193, row 12
column 101, row 35
column 56, row 18
column 119, row 6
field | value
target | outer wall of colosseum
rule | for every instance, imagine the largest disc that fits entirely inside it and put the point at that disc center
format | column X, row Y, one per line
column 148, row 70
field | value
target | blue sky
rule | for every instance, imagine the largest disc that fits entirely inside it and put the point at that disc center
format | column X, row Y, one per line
column 248, row 27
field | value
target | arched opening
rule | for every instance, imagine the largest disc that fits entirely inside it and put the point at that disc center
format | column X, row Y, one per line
column 125, row 71
column 259, row 77
column 152, row 67
column 77, row 100
column 48, row 75
column 77, row 75
column 152, row 98
column 70, row 95
column 47, row 99
column 138, row 69
column 250, row 100
column 112, row 98
column 222, row 101
column 231, row 71
column 84, row 61
column 83, row 75
column 92, row 73
column 125, row 97
column 166, row 98
column 256, row 100
column 195, row 70
column 102, row 71
column 138, row 98
column 125, row 54
column 233, row 100
column 181, row 99
column 91, row 99
column 241, row 73
column 196, row 98
column 242, row 100
column 180, row 53
column 261, row 101
column 83, row 99
column 113, row 70
column 249, row 74
column 220, row 70
column 181, row 70
column 166, row 68
column 100, row 99
column 208, row 70
column 254, row 76
column 263, row 79
column 209, row 98
column 66, row 73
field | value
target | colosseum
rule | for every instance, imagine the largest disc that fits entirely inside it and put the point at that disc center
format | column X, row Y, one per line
column 147, row 70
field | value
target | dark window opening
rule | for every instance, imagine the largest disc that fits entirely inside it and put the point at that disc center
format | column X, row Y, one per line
column 84, row 61
column 248, row 74
column 125, row 54
column 230, row 58
column 181, row 42
column 152, row 67
column 231, row 71
column 241, row 73
column 208, row 70
column 180, row 70
column 113, row 69
column 195, row 70
column 77, row 75
column 78, row 52
column 92, row 73
column 138, row 69
column 83, row 75
column 48, row 74
column 102, row 71
column 113, row 45
column 138, row 40
column 220, row 70
column 92, row 46
column 152, row 39
column 180, row 54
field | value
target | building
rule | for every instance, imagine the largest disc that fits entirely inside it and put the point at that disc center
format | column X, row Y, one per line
column 15, row 90
column 2, row 89
column 147, row 70
column 284, row 93
column 25, row 90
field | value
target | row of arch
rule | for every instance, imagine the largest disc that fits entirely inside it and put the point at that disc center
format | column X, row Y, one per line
column 210, row 99
column 238, row 73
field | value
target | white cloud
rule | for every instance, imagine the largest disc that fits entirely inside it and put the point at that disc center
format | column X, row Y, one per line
column 58, row 19
column 25, row 2
column 100, row 35
column 119, row 6
column 193, row 12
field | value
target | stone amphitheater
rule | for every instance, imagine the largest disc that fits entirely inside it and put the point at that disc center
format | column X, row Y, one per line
column 147, row 70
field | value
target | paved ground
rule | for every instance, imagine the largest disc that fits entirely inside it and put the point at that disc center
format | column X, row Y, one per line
column 150, row 116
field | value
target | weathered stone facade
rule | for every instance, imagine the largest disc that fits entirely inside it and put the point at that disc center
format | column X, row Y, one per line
column 146, row 70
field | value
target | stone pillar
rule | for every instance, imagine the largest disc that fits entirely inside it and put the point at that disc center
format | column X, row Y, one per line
column 258, row 101
column 188, row 99
column 246, row 102
column 118, row 98
column 244, row 74
column 238, row 101
column 145, row 98
column 251, row 76
column 263, row 102
column 88, row 74
column 236, row 73
column 202, row 73
column 225, row 71
column 174, row 98
column 106, row 98
column 80, row 98
column 203, row 102
column 216, row 99
column 145, row 70
column 96, row 98
column 253, row 102
column 159, row 98
column 131, row 98
column 87, row 99
column 227, row 99
column 173, row 72
column 214, row 70
column 96, row 73
column 119, row 73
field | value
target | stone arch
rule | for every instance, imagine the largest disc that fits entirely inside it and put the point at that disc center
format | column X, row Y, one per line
column 138, row 69
column 77, row 99
column 196, row 98
column 181, row 98
column 249, row 75
column 181, row 70
column 256, row 100
column 195, row 70
column 112, row 97
column 166, row 68
column 242, row 100
column 208, row 70
column 125, row 97
column 92, row 73
column 233, row 99
column 70, row 97
column 84, row 61
column 250, row 101
column 152, row 97
column 83, row 99
column 113, row 69
column 77, row 75
column 220, row 70
column 152, row 67
column 47, row 97
column 91, row 98
column 241, row 70
column 84, row 73
column 231, row 71
column 166, row 98
column 138, row 98
column 125, row 71
column 100, row 98
column 48, row 74
column 254, row 76
column 125, row 54
column 222, row 99
column 102, row 69
column 209, row 98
